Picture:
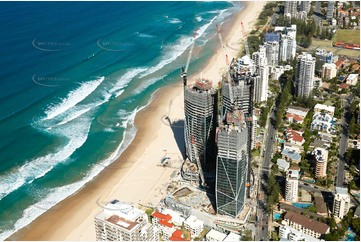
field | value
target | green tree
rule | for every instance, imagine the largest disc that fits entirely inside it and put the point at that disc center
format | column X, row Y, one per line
column 247, row 235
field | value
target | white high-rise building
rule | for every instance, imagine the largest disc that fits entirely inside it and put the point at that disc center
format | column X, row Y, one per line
column 341, row 202
column 259, row 58
column 272, row 49
column 122, row 222
column 305, row 6
column 292, row 185
column 287, row 48
column 305, row 70
column 291, row 9
column 261, row 85
column 330, row 9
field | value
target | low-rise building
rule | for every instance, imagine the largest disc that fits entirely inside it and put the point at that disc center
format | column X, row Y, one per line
column 193, row 225
column 291, row 156
column 294, row 137
column 319, row 108
column 122, row 222
column 233, row 237
column 291, row 234
column 283, row 165
column 164, row 225
column 214, row 235
column 321, row 207
column 177, row 236
column 323, row 122
column 296, row 114
column 341, row 202
column 305, row 225
column 352, row 79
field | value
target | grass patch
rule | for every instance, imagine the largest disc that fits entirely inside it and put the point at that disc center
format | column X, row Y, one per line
column 347, row 35
column 327, row 45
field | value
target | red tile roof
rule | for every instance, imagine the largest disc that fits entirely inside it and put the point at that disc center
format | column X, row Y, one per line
column 177, row 236
column 298, row 118
column 163, row 219
column 292, row 134
column 161, row 216
column 165, row 223
column 289, row 115
column 344, row 86
column 339, row 63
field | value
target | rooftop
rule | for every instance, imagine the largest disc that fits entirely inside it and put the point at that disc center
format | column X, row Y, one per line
column 236, row 117
column 325, row 107
column 341, row 190
column 291, row 154
column 307, row 223
column 232, row 237
column 283, row 164
column 177, row 236
column 320, row 205
column 126, row 224
column 214, row 234
column 203, row 85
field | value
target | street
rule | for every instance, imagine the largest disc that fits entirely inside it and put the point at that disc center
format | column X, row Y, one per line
column 345, row 120
column 262, row 227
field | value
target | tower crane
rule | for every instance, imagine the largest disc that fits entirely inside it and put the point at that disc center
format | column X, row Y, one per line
column 227, row 64
column 185, row 69
column 246, row 40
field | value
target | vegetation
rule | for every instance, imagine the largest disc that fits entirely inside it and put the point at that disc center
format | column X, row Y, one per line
column 274, row 236
column 272, row 190
column 305, row 31
column 284, row 99
column 354, row 129
column 254, row 42
column 267, row 11
column 338, row 231
column 202, row 234
column 255, row 152
column 346, row 35
column 247, row 235
column 149, row 212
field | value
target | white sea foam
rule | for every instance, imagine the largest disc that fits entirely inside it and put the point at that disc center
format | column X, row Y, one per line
column 174, row 21
column 147, row 83
column 142, row 35
column 199, row 18
column 74, row 115
column 73, row 98
column 178, row 49
column 60, row 193
column 77, row 133
column 123, row 81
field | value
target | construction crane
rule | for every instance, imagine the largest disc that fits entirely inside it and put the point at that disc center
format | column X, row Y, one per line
column 246, row 40
column 185, row 69
column 227, row 65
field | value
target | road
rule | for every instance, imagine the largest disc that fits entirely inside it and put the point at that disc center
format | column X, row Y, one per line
column 262, row 227
column 345, row 122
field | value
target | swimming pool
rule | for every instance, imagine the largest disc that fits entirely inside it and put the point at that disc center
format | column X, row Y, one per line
column 276, row 216
column 302, row 205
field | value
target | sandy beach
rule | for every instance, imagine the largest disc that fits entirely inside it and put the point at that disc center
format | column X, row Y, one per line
column 136, row 176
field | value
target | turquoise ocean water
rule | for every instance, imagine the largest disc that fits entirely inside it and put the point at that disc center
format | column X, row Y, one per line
column 73, row 77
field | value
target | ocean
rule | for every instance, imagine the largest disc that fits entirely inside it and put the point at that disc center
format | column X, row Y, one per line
column 73, row 77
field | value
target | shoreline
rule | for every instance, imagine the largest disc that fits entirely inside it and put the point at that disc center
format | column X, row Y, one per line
column 135, row 177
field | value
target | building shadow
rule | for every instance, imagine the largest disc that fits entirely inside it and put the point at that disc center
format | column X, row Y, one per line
column 177, row 127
